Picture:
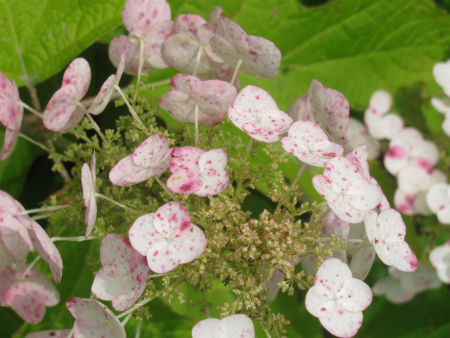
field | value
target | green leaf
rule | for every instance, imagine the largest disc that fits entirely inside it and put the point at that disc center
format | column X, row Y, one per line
column 40, row 37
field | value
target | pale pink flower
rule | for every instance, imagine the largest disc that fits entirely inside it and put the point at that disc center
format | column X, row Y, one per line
column 386, row 232
column 195, row 171
column 93, row 319
column 440, row 259
column 27, row 295
column 88, row 181
column 123, row 275
column 167, row 238
column 151, row 158
column 229, row 327
column 255, row 112
column 338, row 299
column 438, row 200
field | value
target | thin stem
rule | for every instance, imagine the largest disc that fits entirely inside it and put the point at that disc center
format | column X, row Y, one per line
column 342, row 240
column 127, row 318
column 236, row 71
column 35, row 218
column 249, row 147
column 266, row 332
column 300, row 172
column 64, row 173
column 159, row 275
column 116, row 203
column 141, row 64
column 54, row 208
column 138, row 329
column 196, row 124
column 197, row 60
column 159, row 83
column 34, row 98
column 74, row 239
column 40, row 145
column 91, row 120
column 353, row 247
column 29, row 267
column 132, row 112
column 137, row 306
column 165, row 188
column 34, row 111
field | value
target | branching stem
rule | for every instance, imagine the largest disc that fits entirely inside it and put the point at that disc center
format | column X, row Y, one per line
column 54, row 208
column 116, row 203
column 29, row 139
column 32, row 110
column 130, row 108
column 91, row 120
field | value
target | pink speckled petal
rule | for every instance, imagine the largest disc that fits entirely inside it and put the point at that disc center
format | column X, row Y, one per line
column 404, row 258
column 342, row 323
column 441, row 74
column 154, row 39
column 212, row 160
column 50, row 334
column 179, row 106
column 380, row 102
column 425, row 154
column 392, row 124
column 213, row 182
column 132, row 50
column 412, row 179
column 115, row 249
column 437, row 196
column 172, row 219
column 332, row 267
column 275, row 121
column 188, row 23
column 91, row 216
column 184, row 83
column 214, row 96
column 360, row 157
column 215, row 14
column 186, row 158
column 205, row 33
column 61, row 113
column 404, row 202
column 140, row 15
column 151, row 151
column 300, row 110
column 237, row 326
column 355, row 295
column 87, row 184
column 124, row 168
column 139, row 270
column 103, row 97
column 143, row 234
column 184, row 181
column 11, row 137
column 9, row 204
column 363, row 195
column 206, row 328
column 241, row 115
column 10, row 113
column 422, row 279
column 256, row 99
column 78, row 74
column 15, row 237
column 259, row 133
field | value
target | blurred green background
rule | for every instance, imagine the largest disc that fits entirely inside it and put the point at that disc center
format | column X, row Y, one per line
column 353, row 46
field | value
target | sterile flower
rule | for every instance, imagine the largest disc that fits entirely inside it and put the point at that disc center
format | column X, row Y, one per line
column 399, row 287
column 195, row 171
column 386, row 231
column 104, row 96
column 438, row 200
column 151, row 158
column 358, row 135
column 440, row 259
column 93, row 319
column 88, row 181
column 27, row 295
column 409, row 147
column 50, row 334
column 337, row 299
column 190, row 96
column 232, row 326
column 62, row 113
column 167, row 238
column 331, row 112
column 380, row 124
column 44, row 246
column 309, row 143
column 123, row 275
column 349, row 194
column 250, row 54
column 255, row 112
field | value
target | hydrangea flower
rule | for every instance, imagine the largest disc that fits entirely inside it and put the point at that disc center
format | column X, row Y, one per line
column 338, row 299
column 331, row 112
column 93, row 319
column 413, row 184
column 440, row 259
column 123, row 275
column 195, row 171
column 400, row 287
column 309, row 143
column 88, row 181
column 44, row 246
column 380, row 124
column 27, row 295
column 62, row 113
column 409, row 147
column 190, row 97
column 358, row 135
column 229, row 327
column 246, row 53
column 11, row 114
column 386, row 231
column 438, row 200
column 151, row 158
column 15, row 242
column 167, row 238
column 149, row 24
column 347, row 189
column 51, row 334
column 255, row 112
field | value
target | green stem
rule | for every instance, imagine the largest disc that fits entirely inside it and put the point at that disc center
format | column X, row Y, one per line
column 196, row 124
column 91, row 120
column 74, row 239
column 130, row 108
column 127, row 318
column 54, row 208
column 40, row 145
column 197, row 60
column 137, row 306
column 236, row 71
column 116, row 203
column 141, row 65
column 165, row 189
column 34, row 111
column 29, row 267
column 300, row 172
column 138, row 329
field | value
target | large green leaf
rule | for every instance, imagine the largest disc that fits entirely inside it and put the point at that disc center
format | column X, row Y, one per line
column 40, row 37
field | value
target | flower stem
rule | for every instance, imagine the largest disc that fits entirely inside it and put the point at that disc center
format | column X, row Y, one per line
column 34, row 111
column 40, row 145
column 141, row 65
column 197, row 60
column 138, row 329
column 35, row 218
column 238, row 65
column 132, row 112
column 137, row 306
column 116, row 203
column 29, row 267
column 266, row 332
column 196, row 124
column 127, row 318
column 300, row 172
column 159, row 275
column 74, row 239
column 91, row 120
column 54, row 208
column 165, row 188
column 249, row 147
